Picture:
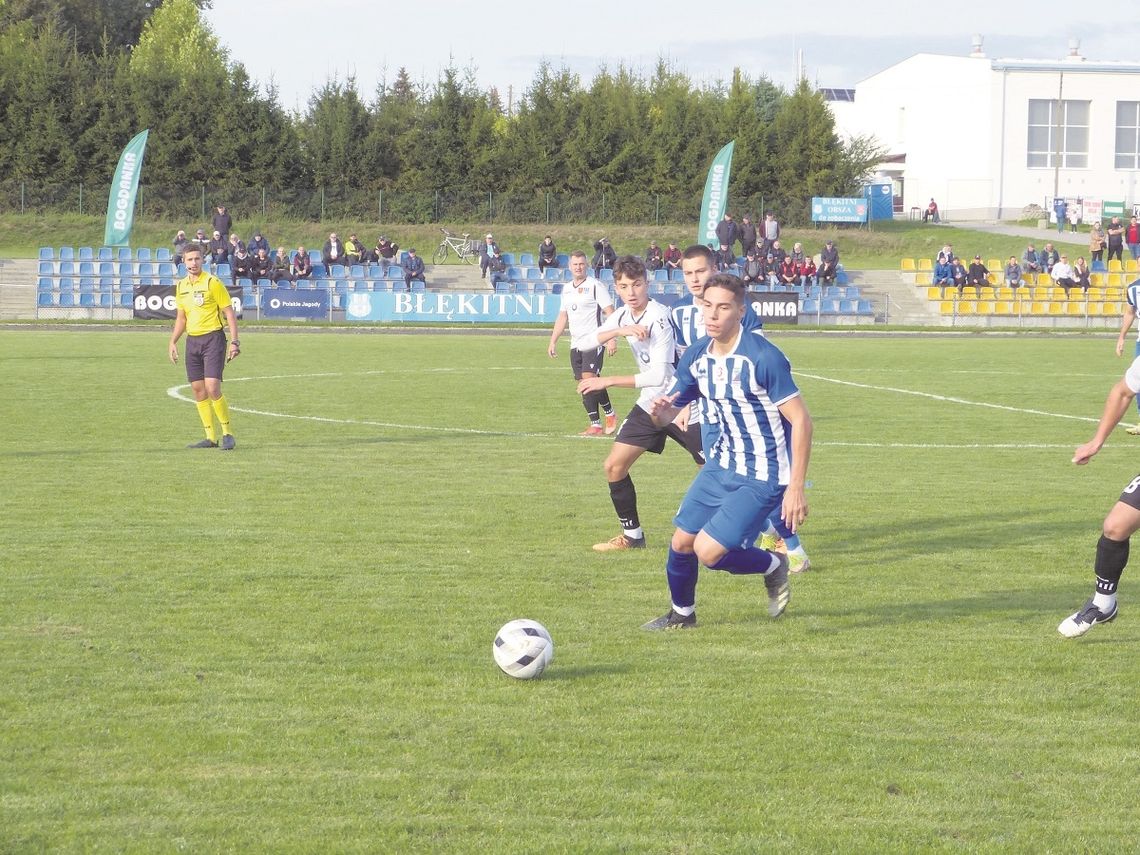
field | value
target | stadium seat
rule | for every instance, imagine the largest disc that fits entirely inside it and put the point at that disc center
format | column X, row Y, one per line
column 967, row 307
column 180, row 270
column 356, row 271
column 1098, row 266
column 123, row 253
column 143, row 254
column 105, row 254
column 1114, row 266
column 526, row 259
column 539, row 288
column 106, row 268
column 395, row 272
column 86, row 253
column 520, row 287
column 66, row 253
column 924, row 278
column 810, row 306
column 552, row 274
column 336, row 271
column 994, row 265
column 145, row 268
column 66, row 292
column 864, row 307
column 165, row 268
column 829, row 306
column 502, row 288
column 907, row 265
column 47, row 268
column 1115, row 280
column 1131, row 266
column 606, row 275
column 47, row 253
column 66, row 268
column 419, row 286
column 1075, row 308
column 926, row 264
column 87, row 268
column 165, row 281
column 934, row 292
column 946, row 307
column 508, row 257
column 841, row 277
column 660, row 275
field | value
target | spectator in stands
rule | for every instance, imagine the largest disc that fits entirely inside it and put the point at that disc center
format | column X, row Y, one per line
column 1074, row 217
column 771, row 268
column 1132, row 238
column 753, row 274
column 977, row 276
column 180, row 242
column 1116, row 240
column 1097, row 241
column 931, row 212
column 241, row 265
column 486, row 252
column 777, row 251
column 746, row 234
column 604, row 256
column 672, row 258
column 354, row 251
column 807, row 271
column 202, row 241
column 948, row 251
column 236, row 243
column 654, row 258
column 547, row 254
column 769, row 232
column 385, row 252
column 257, row 243
column 1062, row 274
column 1013, row 273
column 1060, row 209
column 219, row 249
column 1082, row 275
column 262, row 264
column 497, row 268
column 798, row 252
column 302, row 267
column 943, row 274
column 726, row 231
column 333, row 251
column 413, row 269
column 724, row 258
column 828, row 264
column 1047, row 257
column 282, row 270
column 1030, row 262
column 958, row 273
column 222, row 222
column 789, row 271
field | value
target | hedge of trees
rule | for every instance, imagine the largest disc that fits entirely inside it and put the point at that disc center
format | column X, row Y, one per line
column 78, row 79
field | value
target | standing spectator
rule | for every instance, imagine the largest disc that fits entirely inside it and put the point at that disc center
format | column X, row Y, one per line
column 1013, row 273
column 1082, row 276
column 1097, row 241
column 944, row 274
column 180, row 243
column 931, row 212
column 746, row 235
column 547, row 254
column 1029, row 261
column 222, row 222
column 333, row 251
column 726, row 231
column 385, row 252
column 354, row 251
column 1060, row 209
column 241, row 266
column 302, row 267
column 282, row 270
column 413, row 269
column 1047, row 257
column 654, row 258
column 1074, row 217
column 1116, row 240
column 828, row 264
column 977, row 275
column 486, row 252
column 673, row 258
column 1062, row 274
column 262, row 264
column 769, row 232
column 604, row 256
column 257, row 243
column 219, row 249
column 1132, row 238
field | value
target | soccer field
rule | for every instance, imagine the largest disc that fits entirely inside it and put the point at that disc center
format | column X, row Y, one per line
column 288, row 647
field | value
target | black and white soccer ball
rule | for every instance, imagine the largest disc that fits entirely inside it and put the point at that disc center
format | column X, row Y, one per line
column 523, row 648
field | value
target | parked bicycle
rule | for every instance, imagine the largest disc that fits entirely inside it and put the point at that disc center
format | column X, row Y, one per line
column 463, row 247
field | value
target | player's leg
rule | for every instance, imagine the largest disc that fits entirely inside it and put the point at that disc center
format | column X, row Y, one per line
column 1135, row 429
column 1111, row 557
column 621, row 458
column 585, row 364
column 777, row 537
column 196, row 374
column 603, row 397
column 214, row 365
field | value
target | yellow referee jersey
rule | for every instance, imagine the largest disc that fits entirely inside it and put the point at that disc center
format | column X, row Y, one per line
column 204, row 303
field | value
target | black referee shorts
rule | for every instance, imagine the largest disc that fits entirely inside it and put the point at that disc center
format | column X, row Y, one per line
column 205, row 355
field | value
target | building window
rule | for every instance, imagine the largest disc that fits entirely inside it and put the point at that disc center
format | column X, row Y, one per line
column 1128, row 134
column 1058, row 138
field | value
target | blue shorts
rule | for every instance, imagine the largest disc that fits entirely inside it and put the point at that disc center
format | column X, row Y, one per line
column 729, row 508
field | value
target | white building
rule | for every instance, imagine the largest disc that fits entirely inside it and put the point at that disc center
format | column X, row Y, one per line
column 986, row 137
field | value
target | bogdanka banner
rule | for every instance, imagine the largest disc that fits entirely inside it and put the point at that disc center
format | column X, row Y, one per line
column 124, row 189
column 715, row 201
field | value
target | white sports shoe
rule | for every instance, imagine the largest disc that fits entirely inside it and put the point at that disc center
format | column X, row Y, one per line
column 1078, row 623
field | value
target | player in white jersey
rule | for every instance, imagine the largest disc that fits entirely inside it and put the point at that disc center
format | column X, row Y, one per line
column 1132, row 296
column 759, row 462
column 645, row 325
column 585, row 301
column 1122, row 521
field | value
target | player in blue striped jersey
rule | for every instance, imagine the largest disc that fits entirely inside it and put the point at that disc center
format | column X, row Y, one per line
column 1132, row 296
column 759, row 462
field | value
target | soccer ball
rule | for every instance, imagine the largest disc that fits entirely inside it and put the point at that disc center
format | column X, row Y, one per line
column 523, row 648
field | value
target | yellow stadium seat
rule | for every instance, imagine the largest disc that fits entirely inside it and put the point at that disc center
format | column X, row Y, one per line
column 967, row 307
column 946, row 307
column 1044, row 279
column 985, row 307
column 1096, row 309
column 1095, row 294
column 1038, row 308
column 923, row 278
column 925, row 264
column 1113, row 308
column 1115, row 280
column 1130, row 266
column 1057, row 293
column 1005, row 293
column 1040, row 292
column 1096, row 279
column 994, row 265
column 907, row 265
column 1075, row 307
column 1004, row 307
column 1114, row 265
column 933, row 292
column 1113, row 294
column 1056, row 308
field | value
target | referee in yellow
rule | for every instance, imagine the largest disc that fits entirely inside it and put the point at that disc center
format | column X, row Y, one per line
column 203, row 302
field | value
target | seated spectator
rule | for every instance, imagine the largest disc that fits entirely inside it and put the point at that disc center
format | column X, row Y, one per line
column 333, row 251
column 977, row 275
column 262, row 265
column 413, row 269
column 219, row 249
column 828, row 264
column 1047, row 257
column 943, row 274
column 180, row 243
column 241, row 266
column 1082, row 275
column 385, row 252
column 257, row 243
column 777, row 252
column 1062, row 274
column 604, row 256
column 789, row 271
column 958, row 273
column 753, row 275
column 807, row 271
column 486, row 252
column 771, row 269
column 1029, row 261
column 236, row 243
column 1013, row 273
column 798, row 252
column 948, row 251
column 497, row 267
column 931, row 212
column 202, row 241
column 282, row 270
column 547, row 254
column 672, row 259
column 724, row 258
column 302, row 267
column 654, row 258
column 354, row 251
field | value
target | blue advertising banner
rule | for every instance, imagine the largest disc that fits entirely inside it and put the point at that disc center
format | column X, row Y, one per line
column 836, row 209
column 453, row 307
column 287, row 303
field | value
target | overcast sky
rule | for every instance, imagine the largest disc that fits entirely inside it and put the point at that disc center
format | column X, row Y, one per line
column 301, row 45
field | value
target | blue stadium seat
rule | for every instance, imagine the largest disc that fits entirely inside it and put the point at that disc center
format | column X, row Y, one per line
column 521, row 287
column 126, row 299
column 106, row 268
column 124, row 253
column 105, row 254
column 143, row 254
column 356, row 271
column 86, row 253
column 145, row 281
column 319, row 271
column 47, row 268
column 539, row 288
column 336, row 271
column 508, row 257
column 418, row 285
column 165, row 281
column 809, row 306
column 841, row 277
column 656, row 289
column 556, row 288
column 66, row 268
column 180, row 270
column 851, row 292
column 674, row 288
column 514, row 273
column 223, row 270
column 66, row 253
column 145, row 268
column 165, row 268
column 395, row 272
column 66, row 292
column 87, row 268
column 606, row 275
column 829, row 306
column 163, row 254
column 245, row 284
column 1098, row 267
column 502, row 288
column 661, row 275
column 563, row 260
column 864, row 307
column 106, row 284
column 46, row 253
column 526, row 259
column 127, row 269
column 846, row 307
column 45, row 298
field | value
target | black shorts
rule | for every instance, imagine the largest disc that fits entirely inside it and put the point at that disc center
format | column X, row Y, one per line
column 1131, row 494
column 640, row 430
column 586, row 361
column 205, row 355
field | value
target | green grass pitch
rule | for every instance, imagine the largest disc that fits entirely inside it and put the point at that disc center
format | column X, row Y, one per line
column 288, row 648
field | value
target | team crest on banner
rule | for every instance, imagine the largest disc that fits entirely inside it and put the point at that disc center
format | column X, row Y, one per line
column 359, row 305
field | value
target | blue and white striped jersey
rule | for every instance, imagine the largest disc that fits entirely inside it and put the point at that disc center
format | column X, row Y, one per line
column 1132, row 295
column 744, row 389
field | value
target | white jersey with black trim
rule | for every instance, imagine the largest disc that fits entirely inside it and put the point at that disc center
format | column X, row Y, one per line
column 584, row 305
column 1132, row 295
column 656, row 354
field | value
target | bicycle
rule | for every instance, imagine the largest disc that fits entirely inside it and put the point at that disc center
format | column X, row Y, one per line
column 460, row 246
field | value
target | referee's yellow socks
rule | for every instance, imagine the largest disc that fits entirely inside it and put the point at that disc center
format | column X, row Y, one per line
column 206, row 414
column 222, row 409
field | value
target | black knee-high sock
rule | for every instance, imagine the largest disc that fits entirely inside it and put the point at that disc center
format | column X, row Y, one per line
column 624, row 497
column 1111, row 556
column 590, row 402
column 604, row 400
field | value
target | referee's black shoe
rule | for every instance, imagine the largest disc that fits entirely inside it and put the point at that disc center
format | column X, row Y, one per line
column 205, row 443
column 228, row 442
